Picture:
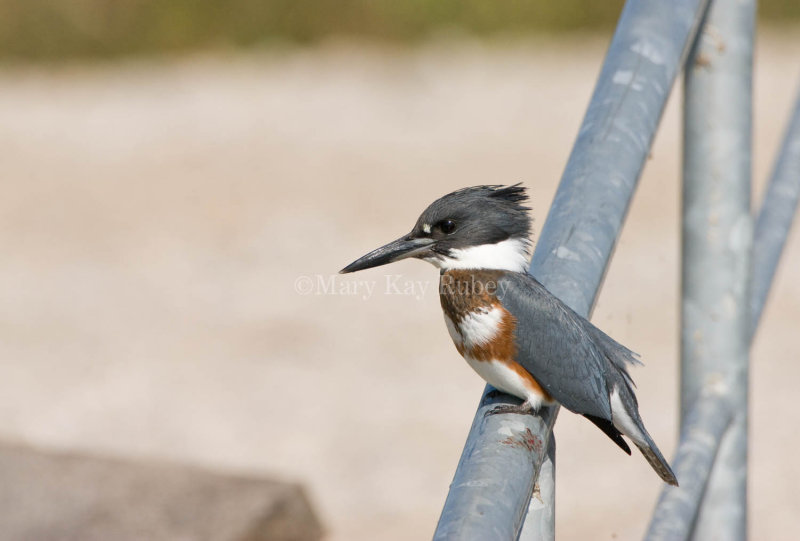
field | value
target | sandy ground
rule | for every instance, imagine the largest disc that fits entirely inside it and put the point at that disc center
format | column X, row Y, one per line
column 159, row 222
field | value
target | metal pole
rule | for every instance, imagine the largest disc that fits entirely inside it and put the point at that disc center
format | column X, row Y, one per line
column 677, row 507
column 491, row 490
column 701, row 435
column 495, row 477
column 775, row 218
column 717, row 239
column 540, row 522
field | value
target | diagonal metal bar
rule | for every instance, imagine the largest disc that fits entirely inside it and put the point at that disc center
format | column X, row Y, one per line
column 491, row 490
column 701, row 434
column 540, row 521
column 645, row 56
column 776, row 215
column 495, row 478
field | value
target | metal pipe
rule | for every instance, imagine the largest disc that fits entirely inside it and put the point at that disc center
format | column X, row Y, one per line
column 776, row 215
column 701, row 435
column 540, row 522
column 717, row 240
column 677, row 507
column 648, row 49
column 491, row 490
column 486, row 499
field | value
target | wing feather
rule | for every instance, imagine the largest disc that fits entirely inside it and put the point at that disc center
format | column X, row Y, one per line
column 574, row 361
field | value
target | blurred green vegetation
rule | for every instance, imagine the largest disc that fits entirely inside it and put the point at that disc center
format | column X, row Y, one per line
column 64, row 29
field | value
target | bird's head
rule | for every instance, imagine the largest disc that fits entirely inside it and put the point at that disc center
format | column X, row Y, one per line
column 482, row 227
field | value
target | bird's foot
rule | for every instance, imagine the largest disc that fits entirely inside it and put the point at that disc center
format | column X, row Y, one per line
column 523, row 409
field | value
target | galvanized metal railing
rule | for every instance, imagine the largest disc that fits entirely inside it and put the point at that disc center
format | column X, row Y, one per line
column 491, row 493
column 698, row 466
column 717, row 244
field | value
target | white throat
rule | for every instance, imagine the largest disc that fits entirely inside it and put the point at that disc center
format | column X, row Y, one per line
column 512, row 254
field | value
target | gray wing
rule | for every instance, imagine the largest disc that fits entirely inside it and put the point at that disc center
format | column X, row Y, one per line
column 574, row 361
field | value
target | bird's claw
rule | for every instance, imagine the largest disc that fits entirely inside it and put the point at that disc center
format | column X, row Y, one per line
column 521, row 409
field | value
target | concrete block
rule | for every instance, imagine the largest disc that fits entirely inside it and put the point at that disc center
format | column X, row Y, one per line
column 48, row 496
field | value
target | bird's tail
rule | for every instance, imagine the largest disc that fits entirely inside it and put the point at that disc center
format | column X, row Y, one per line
column 626, row 418
column 657, row 460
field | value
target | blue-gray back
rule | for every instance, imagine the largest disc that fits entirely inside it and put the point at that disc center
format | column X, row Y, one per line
column 571, row 358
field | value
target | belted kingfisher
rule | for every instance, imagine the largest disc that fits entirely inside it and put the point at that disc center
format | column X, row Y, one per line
column 512, row 331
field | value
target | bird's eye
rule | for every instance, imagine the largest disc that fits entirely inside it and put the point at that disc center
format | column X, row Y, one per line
column 447, row 226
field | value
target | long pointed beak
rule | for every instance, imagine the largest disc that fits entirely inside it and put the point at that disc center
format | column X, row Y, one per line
column 394, row 251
